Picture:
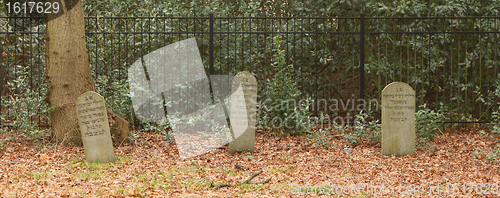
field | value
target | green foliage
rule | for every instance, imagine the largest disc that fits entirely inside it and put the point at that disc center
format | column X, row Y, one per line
column 441, row 67
column 428, row 122
column 282, row 106
column 496, row 121
column 455, row 70
column 115, row 94
column 163, row 128
column 321, row 137
column 26, row 105
column 494, row 155
column 424, row 144
column 492, row 103
column 322, row 63
column 25, row 91
column 365, row 127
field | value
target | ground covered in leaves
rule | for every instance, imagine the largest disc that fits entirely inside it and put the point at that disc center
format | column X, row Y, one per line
column 460, row 163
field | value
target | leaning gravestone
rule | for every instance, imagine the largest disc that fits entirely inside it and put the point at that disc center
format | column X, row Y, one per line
column 243, row 112
column 398, row 119
column 94, row 126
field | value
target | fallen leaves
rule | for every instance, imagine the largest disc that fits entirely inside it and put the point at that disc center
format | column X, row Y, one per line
column 153, row 169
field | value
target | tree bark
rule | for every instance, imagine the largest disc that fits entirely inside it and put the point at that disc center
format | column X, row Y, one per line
column 68, row 71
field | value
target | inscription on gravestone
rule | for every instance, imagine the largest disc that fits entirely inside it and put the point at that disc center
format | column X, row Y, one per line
column 94, row 126
column 398, row 119
column 243, row 112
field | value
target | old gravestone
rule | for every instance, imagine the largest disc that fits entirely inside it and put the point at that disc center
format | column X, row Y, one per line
column 94, row 126
column 398, row 119
column 243, row 112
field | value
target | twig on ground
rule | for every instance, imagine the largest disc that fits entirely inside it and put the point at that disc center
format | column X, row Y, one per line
column 265, row 181
column 248, row 181
column 440, row 130
column 218, row 186
column 121, row 143
column 251, row 177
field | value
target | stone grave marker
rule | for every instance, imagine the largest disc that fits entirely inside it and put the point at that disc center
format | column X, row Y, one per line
column 94, row 126
column 398, row 119
column 242, row 114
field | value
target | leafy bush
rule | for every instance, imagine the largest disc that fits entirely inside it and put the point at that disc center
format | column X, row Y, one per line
column 496, row 121
column 116, row 95
column 496, row 112
column 282, row 107
column 494, row 155
column 163, row 128
column 365, row 127
column 26, row 104
column 317, row 55
column 320, row 137
column 427, row 122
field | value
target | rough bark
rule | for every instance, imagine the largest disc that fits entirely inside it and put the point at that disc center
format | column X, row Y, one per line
column 3, row 73
column 68, row 71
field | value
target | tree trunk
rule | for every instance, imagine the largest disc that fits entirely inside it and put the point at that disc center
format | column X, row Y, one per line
column 68, row 71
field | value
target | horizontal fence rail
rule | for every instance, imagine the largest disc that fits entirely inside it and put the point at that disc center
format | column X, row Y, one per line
column 451, row 62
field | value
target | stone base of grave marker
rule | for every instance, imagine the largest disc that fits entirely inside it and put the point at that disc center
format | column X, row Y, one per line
column 94, row 126
column 243, row 112
column 119, row 128
column 398, row 119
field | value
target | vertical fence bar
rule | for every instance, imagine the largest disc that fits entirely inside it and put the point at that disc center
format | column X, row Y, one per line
column 211, row 49
column 362, row 58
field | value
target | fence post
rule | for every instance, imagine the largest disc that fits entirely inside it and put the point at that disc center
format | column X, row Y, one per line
column 211, row 51
column 362, row 57
column 211, row 47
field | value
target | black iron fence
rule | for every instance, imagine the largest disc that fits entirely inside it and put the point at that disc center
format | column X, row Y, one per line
column 451, row 62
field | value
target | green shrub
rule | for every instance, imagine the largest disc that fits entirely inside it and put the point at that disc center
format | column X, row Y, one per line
column 116, row 94
column 365, row 127
column 496, row 121
column 25, row 105
column 494, row 155
column 320, row 137
column 496, row 112
column 163, row 128
column 282, row 105
column 427, row 122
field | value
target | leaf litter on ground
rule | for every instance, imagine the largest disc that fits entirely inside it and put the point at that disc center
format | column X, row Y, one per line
column 150, row 167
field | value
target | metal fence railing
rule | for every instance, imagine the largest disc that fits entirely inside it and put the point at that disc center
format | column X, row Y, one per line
column 451, row 62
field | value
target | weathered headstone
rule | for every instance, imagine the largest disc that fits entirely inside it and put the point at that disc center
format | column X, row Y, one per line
column 94, row 126
column 243, row 112
column 398, row 119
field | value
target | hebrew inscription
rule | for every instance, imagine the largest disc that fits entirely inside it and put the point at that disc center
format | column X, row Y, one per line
column 398, row 119
column 94, row 126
